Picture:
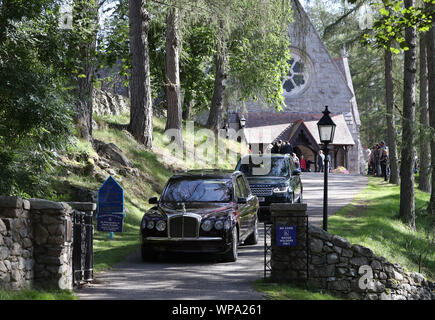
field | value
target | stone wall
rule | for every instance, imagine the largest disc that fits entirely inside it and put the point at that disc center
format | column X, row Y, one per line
column 16, row 244
column 36, row 239
column 344, row 269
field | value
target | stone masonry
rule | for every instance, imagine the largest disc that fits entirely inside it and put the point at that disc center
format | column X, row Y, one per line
column 36, row 239
column 16, row 244
column 344, row 269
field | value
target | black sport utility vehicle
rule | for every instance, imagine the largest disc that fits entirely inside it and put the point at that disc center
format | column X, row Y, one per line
column 272, row 178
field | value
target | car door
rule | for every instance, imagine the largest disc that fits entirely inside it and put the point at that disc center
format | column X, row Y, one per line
column 254, row 205
column 244, row 208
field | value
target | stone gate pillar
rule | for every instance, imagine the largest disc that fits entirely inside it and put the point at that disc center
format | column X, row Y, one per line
column 52, row 229
column 289, row 242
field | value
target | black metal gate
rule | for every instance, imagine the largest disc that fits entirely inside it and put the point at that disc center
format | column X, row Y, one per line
column 83, row 250
column 267, row 248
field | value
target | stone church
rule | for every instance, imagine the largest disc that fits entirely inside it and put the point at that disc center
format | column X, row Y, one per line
column 315, row 80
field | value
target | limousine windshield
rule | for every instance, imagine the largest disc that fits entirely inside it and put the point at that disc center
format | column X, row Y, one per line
column 198, row 190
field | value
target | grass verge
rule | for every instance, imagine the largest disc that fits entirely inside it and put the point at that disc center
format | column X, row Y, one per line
column 31, row 294
column 274, row 291
column 372, row 220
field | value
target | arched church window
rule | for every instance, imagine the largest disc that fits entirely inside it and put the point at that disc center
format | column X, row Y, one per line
column 298, row 77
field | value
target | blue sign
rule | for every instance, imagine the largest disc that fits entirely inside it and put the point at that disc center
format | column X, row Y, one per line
column 110, row 197
column 110, row 222
column 286, row 236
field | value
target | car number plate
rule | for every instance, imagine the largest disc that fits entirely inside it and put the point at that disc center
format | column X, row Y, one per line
column 260, row 199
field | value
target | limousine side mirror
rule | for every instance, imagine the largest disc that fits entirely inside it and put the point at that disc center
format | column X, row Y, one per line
column 296, row 172
column 242, row 200
column 153, row 200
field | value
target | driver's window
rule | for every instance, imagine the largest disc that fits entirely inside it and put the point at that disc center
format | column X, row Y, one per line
column 292, row 165
column 241, row 185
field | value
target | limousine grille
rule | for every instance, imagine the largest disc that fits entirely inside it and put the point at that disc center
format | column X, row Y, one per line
column 261, row 191
column 183, row 227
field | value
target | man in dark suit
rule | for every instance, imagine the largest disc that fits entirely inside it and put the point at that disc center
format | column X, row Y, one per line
column 286, row 148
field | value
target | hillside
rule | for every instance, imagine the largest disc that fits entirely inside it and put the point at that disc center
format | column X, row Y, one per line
column 82, row 170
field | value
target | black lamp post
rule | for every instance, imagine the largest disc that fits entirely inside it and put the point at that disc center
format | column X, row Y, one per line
column 326, row 133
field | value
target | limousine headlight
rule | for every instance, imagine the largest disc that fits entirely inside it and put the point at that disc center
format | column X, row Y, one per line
column 207, row 225
column 161, row 225
column 219, row 225
column 280, row 189
column 150, row 224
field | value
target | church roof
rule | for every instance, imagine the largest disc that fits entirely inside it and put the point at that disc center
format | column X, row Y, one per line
column 260, row 127
column 342, row 134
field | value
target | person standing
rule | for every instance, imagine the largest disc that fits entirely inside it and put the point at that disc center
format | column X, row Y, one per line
column 383, row 158
column 275, row 148
column 286, row 148
column 303, row 163
column 280, row 146
column 329, row 162
column 320, row 161
column 377, row 168
column 296, row 161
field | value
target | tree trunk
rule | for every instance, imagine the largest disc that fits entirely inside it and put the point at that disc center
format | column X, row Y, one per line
column 141, row 124
column 85, row 87
column 425, row 154
column 173, row 96
column 188, row 108
column 431, row 84
column 214, row 121
column 407, row 201
column 391, row 132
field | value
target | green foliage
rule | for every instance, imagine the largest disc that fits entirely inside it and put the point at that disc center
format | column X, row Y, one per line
column 196, row 75
column 282, row 291
column 259, row 51
column 34, row 109
column 393, row 19
column 32, row 294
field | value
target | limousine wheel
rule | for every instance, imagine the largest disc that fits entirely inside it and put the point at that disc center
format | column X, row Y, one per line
column 253, row 237
column 231, row 256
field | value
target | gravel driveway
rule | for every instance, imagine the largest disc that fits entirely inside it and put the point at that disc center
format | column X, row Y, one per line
column 192, row 277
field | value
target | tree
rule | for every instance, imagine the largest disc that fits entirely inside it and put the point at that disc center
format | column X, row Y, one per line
column 35, row 111
column 407, row 165
column 196, row 72
column 86, row 19
column 141, row 126
column 389, row 102
column 173, row 91
column 252, row 54
column 424, row 137
column 431, row 86
column 214, row 120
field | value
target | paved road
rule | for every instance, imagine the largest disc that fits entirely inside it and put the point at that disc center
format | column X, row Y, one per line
column 192, row 277
column 341, row 190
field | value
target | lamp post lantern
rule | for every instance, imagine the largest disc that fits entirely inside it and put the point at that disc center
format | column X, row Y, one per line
column 326, row 129
column 242, row 121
